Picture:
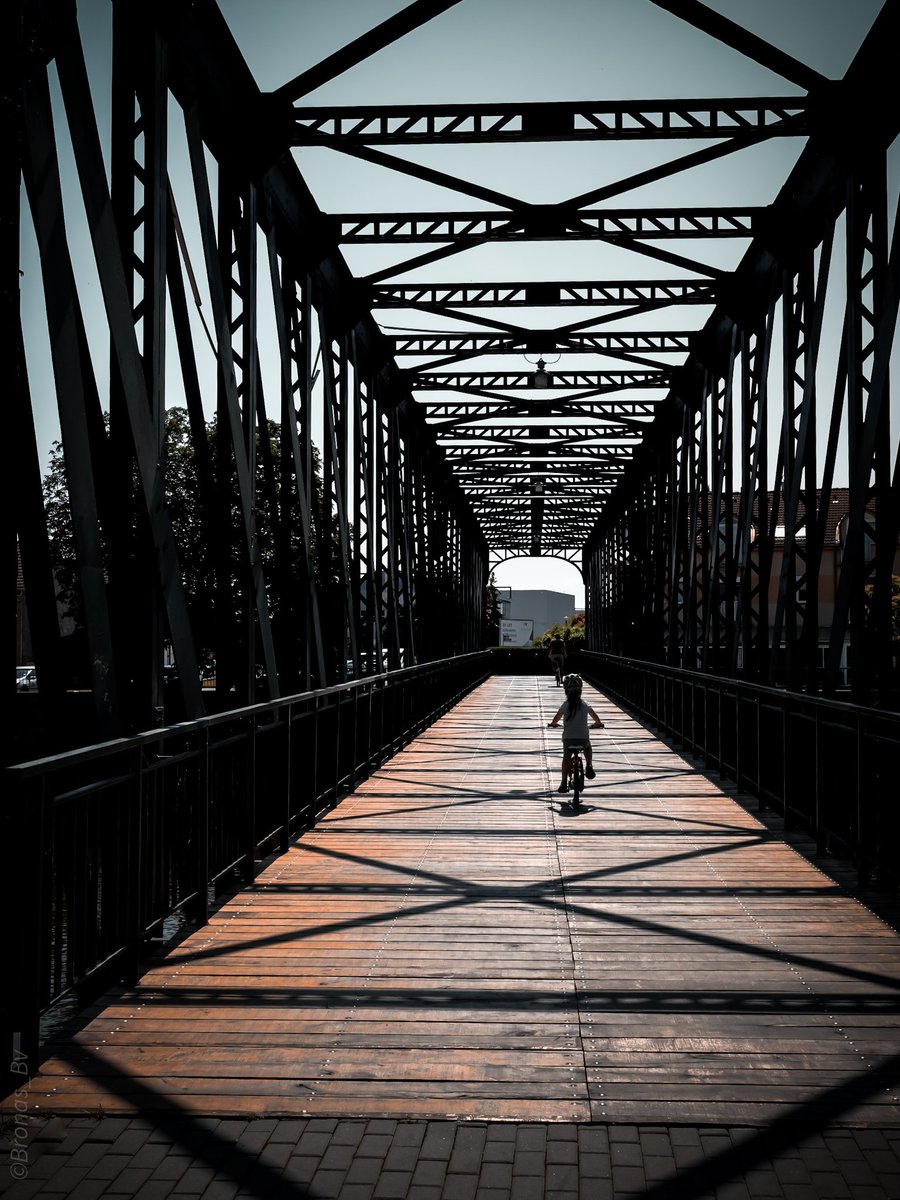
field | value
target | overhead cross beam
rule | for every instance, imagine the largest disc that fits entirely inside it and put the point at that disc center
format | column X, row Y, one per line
column 546, row 223
column 556, row 380
column 545, row 295
column 539, row 341
column 620, row 120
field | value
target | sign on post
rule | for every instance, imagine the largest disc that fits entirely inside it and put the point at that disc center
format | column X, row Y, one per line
column 516, row 633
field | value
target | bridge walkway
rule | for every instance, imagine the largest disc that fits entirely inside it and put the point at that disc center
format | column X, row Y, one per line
column 453, row 944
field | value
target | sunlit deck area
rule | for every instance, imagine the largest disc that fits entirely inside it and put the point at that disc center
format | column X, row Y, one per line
column 453, row 941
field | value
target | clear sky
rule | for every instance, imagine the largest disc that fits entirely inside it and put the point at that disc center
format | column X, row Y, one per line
column 484, row 51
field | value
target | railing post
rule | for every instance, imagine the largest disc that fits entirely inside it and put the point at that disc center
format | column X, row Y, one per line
column 24, row 826
column 249, row 872
column 202, row 829
column 288, row 715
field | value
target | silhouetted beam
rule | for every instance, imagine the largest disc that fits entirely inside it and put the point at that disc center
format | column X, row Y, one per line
column 539, row 342
column 619, row 120
column 556, row 380
column 363, row 47
column 544, row 295
column 746, row 43
column 545, row 223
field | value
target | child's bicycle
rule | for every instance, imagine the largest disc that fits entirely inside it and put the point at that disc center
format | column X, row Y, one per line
column 576, row 772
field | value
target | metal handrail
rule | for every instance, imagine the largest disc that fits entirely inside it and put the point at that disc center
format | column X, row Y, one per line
column 114, row 840
column 827, row 766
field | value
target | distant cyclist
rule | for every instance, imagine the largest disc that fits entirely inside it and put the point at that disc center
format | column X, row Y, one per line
column 557, row 652
column 574, row 713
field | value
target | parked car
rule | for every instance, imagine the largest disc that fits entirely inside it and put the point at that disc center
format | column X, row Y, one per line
column 26, row 679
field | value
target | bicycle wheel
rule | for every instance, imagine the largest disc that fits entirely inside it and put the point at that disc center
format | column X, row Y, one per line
column 577, row 781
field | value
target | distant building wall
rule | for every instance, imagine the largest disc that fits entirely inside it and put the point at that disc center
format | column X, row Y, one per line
column 544, row 608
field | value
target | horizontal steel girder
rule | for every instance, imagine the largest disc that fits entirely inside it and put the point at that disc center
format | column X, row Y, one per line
column 606, row 120
column 545, row 295
column 540, row 341
column 545, row 223
column 437, row 410
column 557, row 380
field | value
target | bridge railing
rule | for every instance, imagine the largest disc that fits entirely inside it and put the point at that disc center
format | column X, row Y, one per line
column 108, row 844
column 829, row 768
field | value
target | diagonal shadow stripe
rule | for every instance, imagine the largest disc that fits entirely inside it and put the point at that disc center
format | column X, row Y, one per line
column 536, row 893
column 732, row 1165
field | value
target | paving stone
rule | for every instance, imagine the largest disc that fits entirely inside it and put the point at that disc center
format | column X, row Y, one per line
column 327, row 1183
column 531, row 1137
column 108, row 1129
column 593, row 1139
column 357, row 1191
column 364, row 1170
column 300, row 1168
column 275, row 1156
column 110, row 1166
column 410, row 1133
column 530, row 1188
column 733, row 1189
column 830, row 1184
column 619, row 1134
column 799, row 1191
column 88, row 1189
column 625, row 1154
column 374, row 1145
column 337, row 1158
column 656, row 1144
column 561, row 1177
column 467, row 1151
column 762, row 1183
column 393, row 1185
column 131, row 1178
column 401, row 1158
column 500, row 1152
column 529, row 1162
column 495, row 1175
column 151, row 1154
column 628, row 1179
column 154, row 1189
column 791, row 1170
column 657, row 1168
column 438, row 1141
column 429, row 1173
column 594, row 1166
column 460, row 1187
column 562, row 1152
column 313, row 1144
column 870, row 1139
column 288, row 1131
column 173, row 1166
column 88, row 1154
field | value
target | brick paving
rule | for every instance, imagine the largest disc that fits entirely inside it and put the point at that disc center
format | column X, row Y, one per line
column 85, row 1158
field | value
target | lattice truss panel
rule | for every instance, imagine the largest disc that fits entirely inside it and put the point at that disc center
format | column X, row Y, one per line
column 403, row 395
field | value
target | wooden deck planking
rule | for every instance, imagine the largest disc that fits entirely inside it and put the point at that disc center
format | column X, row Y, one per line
column 453, row 941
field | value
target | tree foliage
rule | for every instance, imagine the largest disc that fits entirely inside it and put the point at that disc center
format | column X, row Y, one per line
column 207, row 525
column 571, row 631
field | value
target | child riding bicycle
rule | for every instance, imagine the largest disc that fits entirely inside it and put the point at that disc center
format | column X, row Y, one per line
column 574, row 713
column 557, row 652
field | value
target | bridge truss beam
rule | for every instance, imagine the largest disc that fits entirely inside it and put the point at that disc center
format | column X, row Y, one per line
column 291, row 552
column 710, row 552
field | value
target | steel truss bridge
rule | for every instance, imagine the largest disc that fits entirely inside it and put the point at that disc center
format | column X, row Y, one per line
column 681, row 429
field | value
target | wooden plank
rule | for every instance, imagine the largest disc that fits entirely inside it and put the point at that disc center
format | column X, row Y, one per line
column 451, row 941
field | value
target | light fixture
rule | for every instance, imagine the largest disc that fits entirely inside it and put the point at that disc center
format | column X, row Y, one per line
column 541, row 377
